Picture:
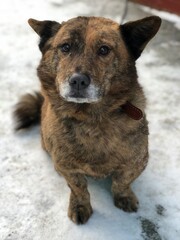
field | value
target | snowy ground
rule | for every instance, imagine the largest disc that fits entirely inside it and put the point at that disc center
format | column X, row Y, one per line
column 33, row 198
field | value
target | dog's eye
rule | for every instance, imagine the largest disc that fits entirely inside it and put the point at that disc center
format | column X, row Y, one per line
column 65, row 47
column 103, row 50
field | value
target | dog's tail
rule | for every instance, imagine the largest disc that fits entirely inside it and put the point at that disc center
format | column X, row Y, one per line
column 28, row 110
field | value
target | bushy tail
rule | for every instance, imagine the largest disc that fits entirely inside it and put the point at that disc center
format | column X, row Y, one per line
column 28, row 110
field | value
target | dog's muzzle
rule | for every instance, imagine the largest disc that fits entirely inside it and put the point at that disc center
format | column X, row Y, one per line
column 79, row 88
column 79, row 83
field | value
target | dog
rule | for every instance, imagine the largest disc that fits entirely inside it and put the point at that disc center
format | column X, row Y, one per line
column 91, row 106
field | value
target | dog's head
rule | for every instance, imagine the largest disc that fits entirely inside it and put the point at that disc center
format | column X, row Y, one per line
column 91, row 57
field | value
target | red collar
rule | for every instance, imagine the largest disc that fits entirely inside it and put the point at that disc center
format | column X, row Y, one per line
column 132, row 111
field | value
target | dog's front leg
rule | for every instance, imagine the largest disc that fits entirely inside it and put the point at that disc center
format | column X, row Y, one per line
column 79, row 205
column 124, row 197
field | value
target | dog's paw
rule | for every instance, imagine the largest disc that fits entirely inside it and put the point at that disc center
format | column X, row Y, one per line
column 80, row 213
column 126, row 203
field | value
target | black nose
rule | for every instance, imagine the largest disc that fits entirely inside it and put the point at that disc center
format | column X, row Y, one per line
column 79, row 81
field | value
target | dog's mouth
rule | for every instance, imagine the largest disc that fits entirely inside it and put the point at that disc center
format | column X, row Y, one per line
column 88, row 95
column 77, row 94
column 80, row 97
column 79, row 88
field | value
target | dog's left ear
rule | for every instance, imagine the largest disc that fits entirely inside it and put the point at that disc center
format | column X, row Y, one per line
column 45, row 29
column 138, row 33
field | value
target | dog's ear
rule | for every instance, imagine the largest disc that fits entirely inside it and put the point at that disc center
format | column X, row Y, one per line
column 138, row 33
column 45, row 29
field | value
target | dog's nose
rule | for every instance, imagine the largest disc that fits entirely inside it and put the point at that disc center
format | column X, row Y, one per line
column 79, row 81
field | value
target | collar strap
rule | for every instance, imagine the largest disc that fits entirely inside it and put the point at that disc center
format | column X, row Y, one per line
column 132, row 111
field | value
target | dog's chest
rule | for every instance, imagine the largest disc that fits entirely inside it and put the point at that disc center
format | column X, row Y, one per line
column 94, row 149
column 97, row 143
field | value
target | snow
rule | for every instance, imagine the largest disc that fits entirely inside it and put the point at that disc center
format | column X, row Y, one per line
column 33, row 197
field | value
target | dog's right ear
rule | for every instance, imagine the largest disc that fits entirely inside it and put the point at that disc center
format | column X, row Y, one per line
column 45, row 29
column 138, row 33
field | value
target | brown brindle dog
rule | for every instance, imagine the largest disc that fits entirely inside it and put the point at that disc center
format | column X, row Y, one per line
column 91, row 105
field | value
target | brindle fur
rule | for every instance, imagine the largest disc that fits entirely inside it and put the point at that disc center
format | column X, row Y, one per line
column 94, row 139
